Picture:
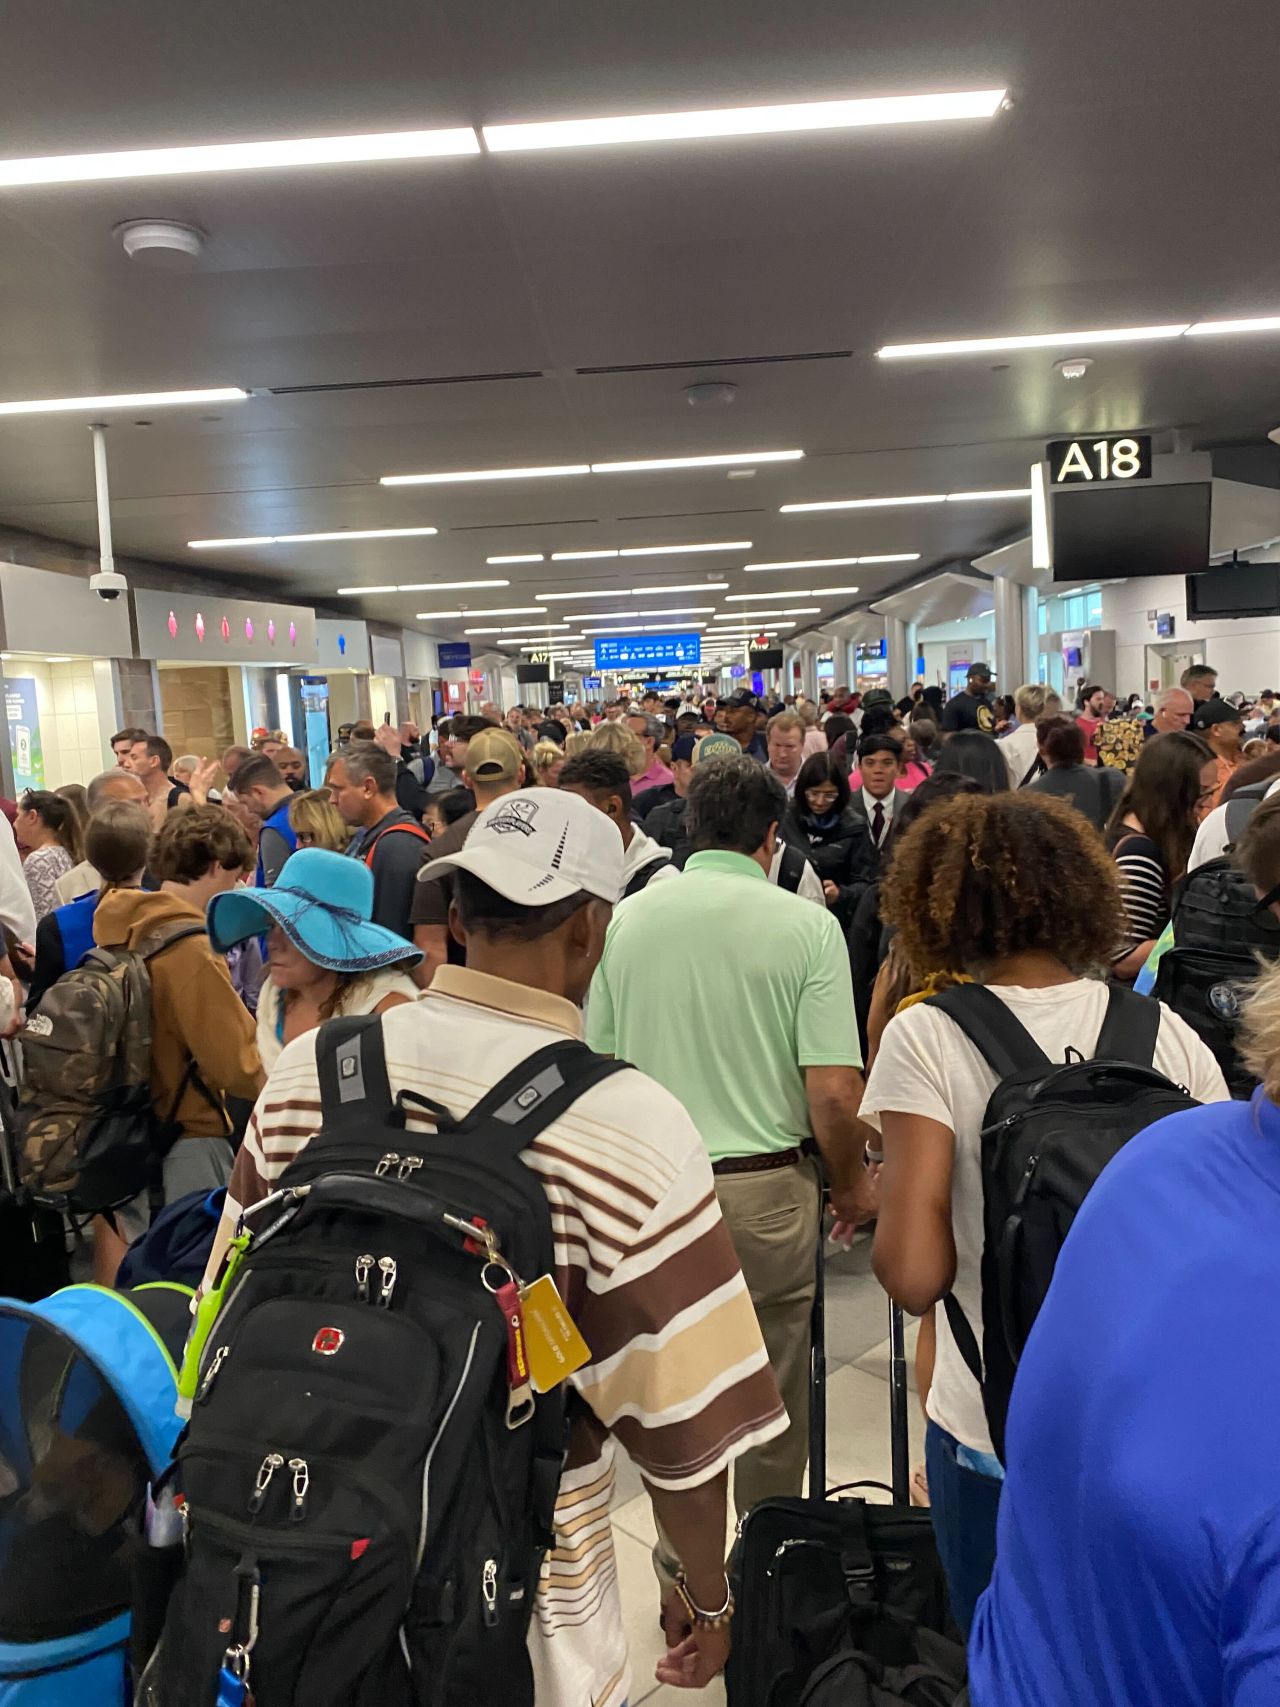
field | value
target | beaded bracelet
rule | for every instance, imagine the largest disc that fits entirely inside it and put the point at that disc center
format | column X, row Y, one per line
column 708, row 1620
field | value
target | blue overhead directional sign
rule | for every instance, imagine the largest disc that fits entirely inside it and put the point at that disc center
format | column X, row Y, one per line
column 648, row 652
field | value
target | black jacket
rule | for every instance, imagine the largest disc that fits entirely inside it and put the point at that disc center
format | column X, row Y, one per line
column 843, row 854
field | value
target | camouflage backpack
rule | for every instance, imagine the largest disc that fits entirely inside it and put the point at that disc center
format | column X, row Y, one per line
column 89, row 1137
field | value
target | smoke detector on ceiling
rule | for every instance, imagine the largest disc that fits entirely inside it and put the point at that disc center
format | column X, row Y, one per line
column 1075, row 367
column 160, row 241
column 710, row 394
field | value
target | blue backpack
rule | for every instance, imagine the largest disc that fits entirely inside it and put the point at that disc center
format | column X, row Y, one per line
column 176, row 1245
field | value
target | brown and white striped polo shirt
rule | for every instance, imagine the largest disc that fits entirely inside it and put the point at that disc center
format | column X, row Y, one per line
column 678, row 1373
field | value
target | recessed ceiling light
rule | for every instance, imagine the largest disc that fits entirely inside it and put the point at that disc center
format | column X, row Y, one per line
column 519, row 557
column 485, row 474
column 581, row 556
column 123, row 400
column 894, row 503
column 745, row 121
column 720, row 461
column 684, row 550
column 310, row 538
column 237, row 157
column 421, row 587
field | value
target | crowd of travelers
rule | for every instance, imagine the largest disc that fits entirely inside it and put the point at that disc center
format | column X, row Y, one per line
column 904, row 907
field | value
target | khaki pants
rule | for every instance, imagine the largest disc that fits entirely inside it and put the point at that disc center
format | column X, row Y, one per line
column 773, row 1220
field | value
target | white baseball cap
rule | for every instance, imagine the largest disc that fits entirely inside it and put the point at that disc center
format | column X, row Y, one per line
column 537, row 846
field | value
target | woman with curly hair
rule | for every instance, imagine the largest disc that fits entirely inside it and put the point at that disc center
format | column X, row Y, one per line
column 1017, row 893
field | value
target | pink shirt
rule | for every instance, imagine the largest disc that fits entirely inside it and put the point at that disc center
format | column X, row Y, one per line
column 657, row 776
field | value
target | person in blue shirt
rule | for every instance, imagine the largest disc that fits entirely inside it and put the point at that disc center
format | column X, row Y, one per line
column 260, row 785
column 1138, row 1545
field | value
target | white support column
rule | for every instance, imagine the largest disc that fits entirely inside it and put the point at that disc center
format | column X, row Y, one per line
column 895, row 631
column 911, row 646
column 1031, row 633
column 809, row 672
column 1010, row 659
column 850, row 664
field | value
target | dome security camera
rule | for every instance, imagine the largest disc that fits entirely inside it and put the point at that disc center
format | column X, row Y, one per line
column 108, row 584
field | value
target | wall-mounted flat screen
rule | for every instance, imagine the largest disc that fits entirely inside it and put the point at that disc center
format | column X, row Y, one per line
column 528, row 673
column 1235, row 589
column 769, row 658
column 1109, row 533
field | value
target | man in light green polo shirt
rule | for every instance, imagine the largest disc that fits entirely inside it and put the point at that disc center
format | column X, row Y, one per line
column 782, row 1067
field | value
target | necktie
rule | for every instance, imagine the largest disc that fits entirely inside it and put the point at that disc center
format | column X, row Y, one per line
column 877, row 823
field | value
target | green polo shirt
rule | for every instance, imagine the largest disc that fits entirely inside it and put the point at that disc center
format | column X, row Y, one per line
column 779, row 998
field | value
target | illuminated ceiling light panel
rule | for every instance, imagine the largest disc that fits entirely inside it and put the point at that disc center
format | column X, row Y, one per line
column 310, row 538
column 485, row 474
column 509, row 628
column 238, row 157
column 638, row 466
column 648, row 628
column 892, row 503
column 736, row 616
column 421, row 587
column 519, row 557
column 581, row 556
column 1033, row 341
column 123, row 400
column 467, row 615
column 638, row 592
column 611, row 616
column 831, row 562
column 684, row 550
column 745, row 121
column 1217, row 328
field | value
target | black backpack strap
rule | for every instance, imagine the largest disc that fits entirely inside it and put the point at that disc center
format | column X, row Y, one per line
column 538, row 1091
column 1130, row 1028
column 352, row 1065
column 964, row 1336
column 791, row 868
column 1004, row 1043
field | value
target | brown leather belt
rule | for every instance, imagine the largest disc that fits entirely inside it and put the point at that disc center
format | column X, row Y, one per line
column 765, row 1164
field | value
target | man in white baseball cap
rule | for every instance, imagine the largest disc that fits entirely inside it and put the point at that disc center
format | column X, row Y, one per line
column 643, row 1261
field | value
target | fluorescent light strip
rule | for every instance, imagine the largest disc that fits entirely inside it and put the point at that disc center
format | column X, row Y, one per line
column 832, row 562
column 581, row 556
column 725, row 461
column 510, row 628
column 309, row 538
column 638, row 592
column 602, row 616
column 684, row 550
column 649, row 628
column 123, row 400
column 238, row 157
column 788, row 593
column 893, row 503
column 485, row 474
column 796, row 610
column 1081, row 340
column 744, row 121
column 519, row 557
column 420, row 587
column 467, row 615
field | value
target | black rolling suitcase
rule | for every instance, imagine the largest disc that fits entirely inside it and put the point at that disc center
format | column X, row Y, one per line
column 842, row 1602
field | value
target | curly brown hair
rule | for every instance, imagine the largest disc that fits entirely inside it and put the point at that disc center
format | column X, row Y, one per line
column 981, row 877
column 190, row 841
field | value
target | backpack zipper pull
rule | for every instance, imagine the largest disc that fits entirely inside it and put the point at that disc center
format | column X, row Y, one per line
column 408, row 1166
column 387, row 1163
column 219, row 1358
column 489, row 1590
column 363, row 1266
column 301, row 1482
column 266, row 1470
column 387, row 1266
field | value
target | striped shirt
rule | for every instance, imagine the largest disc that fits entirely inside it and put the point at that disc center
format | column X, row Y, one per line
column 678, row 1374
column 1144, row 889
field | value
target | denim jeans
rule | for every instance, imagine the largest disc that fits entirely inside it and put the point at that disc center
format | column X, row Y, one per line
column 963, row 1505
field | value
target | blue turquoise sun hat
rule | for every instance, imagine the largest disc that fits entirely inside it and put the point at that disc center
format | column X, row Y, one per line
column 324, row 904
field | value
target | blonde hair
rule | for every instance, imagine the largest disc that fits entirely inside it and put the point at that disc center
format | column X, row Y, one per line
column 1258, row 1032
column 544, row 755
column 575, row 743
column 313, row 814
column 617, row 738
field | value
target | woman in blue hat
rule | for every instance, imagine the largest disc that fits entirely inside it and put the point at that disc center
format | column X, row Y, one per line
column 325, row 956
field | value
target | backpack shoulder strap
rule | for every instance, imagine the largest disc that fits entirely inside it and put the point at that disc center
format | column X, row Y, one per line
column 351, row 1062
column 1130, row 1028
column 538, row 1091
column 407, row 829
column 1004, row 1043
column 164, row 938
column 1240, row 808
column 1032, row 771
column 791, row 868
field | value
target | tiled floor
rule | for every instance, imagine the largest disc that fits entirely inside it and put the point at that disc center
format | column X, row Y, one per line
column 857, row 1449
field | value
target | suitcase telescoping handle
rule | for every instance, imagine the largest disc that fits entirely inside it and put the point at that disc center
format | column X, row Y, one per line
column 899, row 1399
column 818, row 1372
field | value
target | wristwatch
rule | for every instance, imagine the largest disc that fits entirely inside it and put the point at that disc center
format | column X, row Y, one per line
column 718, row 1620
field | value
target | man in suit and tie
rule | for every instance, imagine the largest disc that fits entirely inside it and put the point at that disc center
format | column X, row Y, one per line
column 880, row 766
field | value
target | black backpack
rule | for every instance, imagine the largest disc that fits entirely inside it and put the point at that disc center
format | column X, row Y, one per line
column 369, row 1491
column 1049, row 1130
column 639, row 879
column 1220, row 931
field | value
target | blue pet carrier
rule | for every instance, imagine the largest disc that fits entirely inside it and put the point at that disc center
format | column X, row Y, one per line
column 87, row 1392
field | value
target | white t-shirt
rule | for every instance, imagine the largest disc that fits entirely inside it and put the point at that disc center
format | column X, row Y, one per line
column 927, row 1066
column 1211, row 837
